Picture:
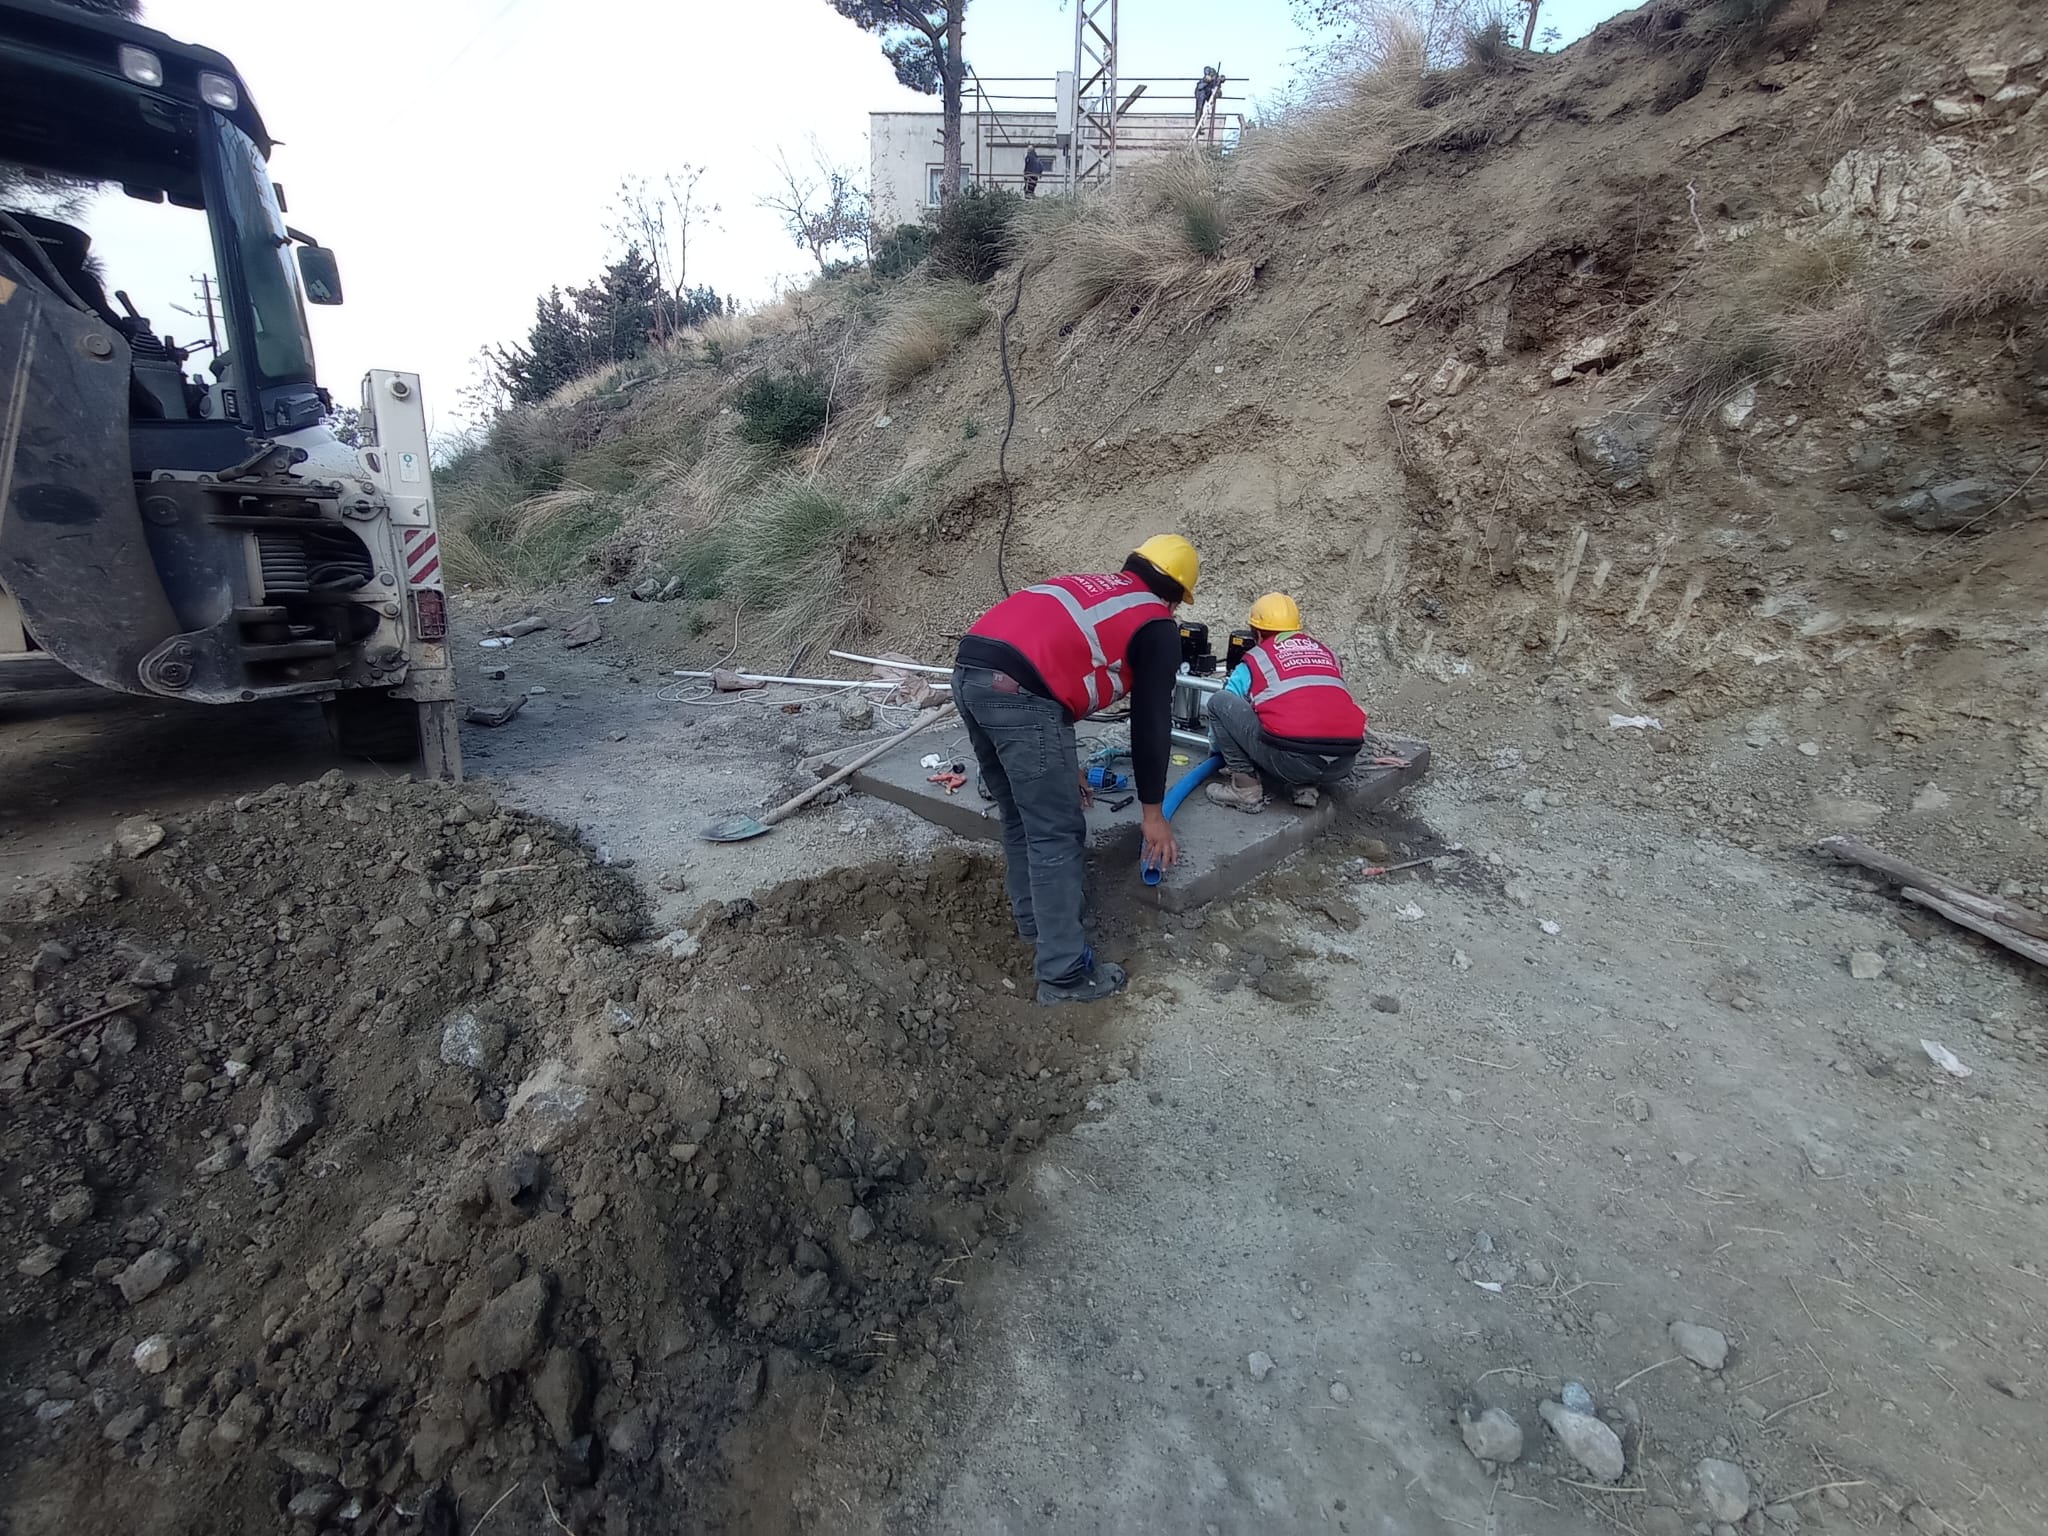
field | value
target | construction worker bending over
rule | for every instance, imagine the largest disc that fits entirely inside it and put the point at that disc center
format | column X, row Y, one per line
column 1029, row 668
column 1284, row 715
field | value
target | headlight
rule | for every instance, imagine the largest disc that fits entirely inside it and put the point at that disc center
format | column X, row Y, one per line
column 141, row 66
column 219, row 91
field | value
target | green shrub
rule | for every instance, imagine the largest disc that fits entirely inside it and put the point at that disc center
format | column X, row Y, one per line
column 702, row 564
column 782, row 410
column 897, row 252
column 973, row 235
column 1202, row 222
column 1489, row 47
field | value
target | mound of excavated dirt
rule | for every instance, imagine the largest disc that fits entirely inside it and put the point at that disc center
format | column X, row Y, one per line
column 360, row 1166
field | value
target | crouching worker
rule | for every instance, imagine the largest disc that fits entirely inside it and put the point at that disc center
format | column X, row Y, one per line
column 1029, row 668
column 1285, row 717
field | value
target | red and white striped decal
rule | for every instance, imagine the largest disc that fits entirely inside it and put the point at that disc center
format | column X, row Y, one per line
column 422, row 557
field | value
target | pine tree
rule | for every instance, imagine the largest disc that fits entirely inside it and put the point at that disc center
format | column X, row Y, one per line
column 922, row 40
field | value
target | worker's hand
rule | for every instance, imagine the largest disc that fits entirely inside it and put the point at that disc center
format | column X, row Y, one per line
column 1160, row 848
column 1087, row 791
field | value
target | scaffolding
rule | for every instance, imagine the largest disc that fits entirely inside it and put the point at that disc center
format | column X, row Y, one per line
column 1091, row 141
column 1010, row 114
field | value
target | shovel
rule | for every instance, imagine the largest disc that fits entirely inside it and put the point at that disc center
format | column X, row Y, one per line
column 737, row 829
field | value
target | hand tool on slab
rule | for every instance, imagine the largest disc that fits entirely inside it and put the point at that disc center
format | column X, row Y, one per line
column 737, row 829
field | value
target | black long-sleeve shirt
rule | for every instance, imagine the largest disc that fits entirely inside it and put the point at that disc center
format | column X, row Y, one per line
column 1154, row 662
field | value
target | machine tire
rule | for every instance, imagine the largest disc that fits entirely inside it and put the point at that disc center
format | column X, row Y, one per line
column 375, row 727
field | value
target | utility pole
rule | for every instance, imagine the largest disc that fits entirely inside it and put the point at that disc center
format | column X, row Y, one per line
column 205, row 296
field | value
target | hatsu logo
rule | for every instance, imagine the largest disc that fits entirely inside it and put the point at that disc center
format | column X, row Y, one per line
column 1097, row 586
column 1300, row 647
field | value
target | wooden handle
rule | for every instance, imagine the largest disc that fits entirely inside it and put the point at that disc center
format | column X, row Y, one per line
column 797, row 802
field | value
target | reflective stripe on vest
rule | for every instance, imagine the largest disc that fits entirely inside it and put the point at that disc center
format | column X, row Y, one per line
column 1075, row 630
column 1089, row 621
column 1302, row 696
column 1267, row 684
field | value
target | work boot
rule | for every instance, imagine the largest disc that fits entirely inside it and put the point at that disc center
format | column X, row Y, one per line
column 1244, row 793
column 1308, row 797
column 1091, row 986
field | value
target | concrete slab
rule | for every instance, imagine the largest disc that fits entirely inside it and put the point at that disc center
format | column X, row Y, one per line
column 1220, row 850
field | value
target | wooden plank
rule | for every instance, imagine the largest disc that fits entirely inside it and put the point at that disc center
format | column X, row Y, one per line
column 1990, row 909
column 2034, row 949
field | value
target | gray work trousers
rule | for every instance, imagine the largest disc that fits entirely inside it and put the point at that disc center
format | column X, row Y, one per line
column 1234, row 732
column 1025, row 748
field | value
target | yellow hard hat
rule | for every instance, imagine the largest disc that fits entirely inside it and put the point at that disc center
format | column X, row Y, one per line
column 1276, row 611
column 1172, row 555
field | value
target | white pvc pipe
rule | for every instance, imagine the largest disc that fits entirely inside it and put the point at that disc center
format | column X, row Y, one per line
column 801, row 682
column 1203, row 684
column 899, row 666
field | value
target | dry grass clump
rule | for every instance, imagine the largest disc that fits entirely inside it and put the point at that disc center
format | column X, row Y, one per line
column 785, row 558
column 1387, row 37
column 1806, row 311
column 732, row 332
column 1155, row 243
column 1045, row 224
column 728, row 471
column 1826, row 308
column 1346, row 147
column 919, row 331
column 1993, row 268
column 718, row 340
column 1809, row 272
column 1845, row 335
column 468, row 562
column 529, row 435
column 584, row 385
column 492, row 536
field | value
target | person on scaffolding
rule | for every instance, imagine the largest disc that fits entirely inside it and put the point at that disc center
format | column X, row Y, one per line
column 1035, row 166
column 1027, row 670
column 1206, row 90
column 1284, row 716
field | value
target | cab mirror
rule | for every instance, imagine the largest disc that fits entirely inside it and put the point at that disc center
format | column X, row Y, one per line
column 321, row 274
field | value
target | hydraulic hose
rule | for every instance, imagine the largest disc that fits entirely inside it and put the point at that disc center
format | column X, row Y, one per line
column 1190, row 781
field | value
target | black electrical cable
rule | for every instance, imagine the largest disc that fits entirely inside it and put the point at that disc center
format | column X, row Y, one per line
column 41, row 258
column 1009, row 426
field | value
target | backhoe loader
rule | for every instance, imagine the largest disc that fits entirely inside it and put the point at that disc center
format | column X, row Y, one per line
column 182, row 531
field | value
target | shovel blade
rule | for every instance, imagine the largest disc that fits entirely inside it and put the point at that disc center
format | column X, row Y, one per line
column 734, row 829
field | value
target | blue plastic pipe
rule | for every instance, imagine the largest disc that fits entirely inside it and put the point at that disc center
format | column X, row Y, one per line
column 1189, row 782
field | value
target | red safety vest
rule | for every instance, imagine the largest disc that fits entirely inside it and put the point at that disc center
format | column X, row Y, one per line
column 1299, row 692
column 1076, row 630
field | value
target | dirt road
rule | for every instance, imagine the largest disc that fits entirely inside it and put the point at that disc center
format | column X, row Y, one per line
column 1490, row 1158
column 1356, row 1153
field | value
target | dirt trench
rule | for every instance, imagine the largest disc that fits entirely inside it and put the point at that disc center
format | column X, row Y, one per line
column 365, row 1165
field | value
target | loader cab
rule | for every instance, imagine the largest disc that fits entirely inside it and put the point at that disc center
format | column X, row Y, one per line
column 89, row 104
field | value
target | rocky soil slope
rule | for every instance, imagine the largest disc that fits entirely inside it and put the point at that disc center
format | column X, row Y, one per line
column 357, row 1164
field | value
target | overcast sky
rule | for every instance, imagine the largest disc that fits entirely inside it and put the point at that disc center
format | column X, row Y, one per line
column 462, row 156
